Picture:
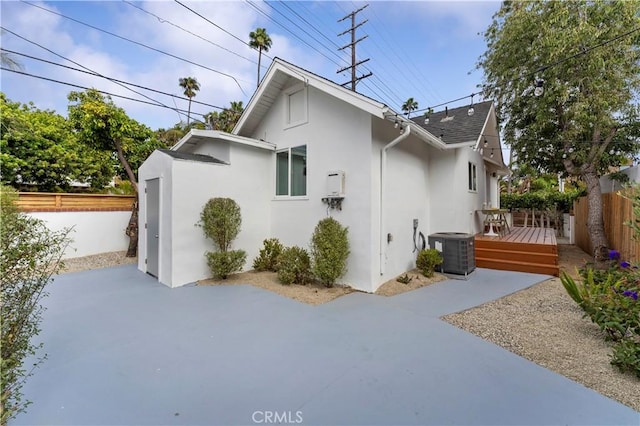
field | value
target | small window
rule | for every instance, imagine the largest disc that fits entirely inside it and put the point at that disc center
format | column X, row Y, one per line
column 473, row 180
column 291, row 172
column 296, row 106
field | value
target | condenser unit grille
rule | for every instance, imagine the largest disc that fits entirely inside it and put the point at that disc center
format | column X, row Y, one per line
column 457, row 250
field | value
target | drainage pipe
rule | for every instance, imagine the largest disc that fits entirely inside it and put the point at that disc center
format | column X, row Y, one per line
column 406, row 131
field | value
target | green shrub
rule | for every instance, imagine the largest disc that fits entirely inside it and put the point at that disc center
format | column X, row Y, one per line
column 329, row 250
column 574, row 290
column 427, row 260
column 610, row 299
column 29, row 256
column 626, row 356
column 220, row 219
column 541, row 200
column 267, row 260
column 224, row 263
column 294, row 266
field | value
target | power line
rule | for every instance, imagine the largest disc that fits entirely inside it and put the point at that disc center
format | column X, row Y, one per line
column 546, row 67
column 139, row 44
column 91, row 88
column 165, row 21
column 80, row 65
column 214, row 24
column 410, row 66
column 287, row 29
column 322, row 45
column 109, row 78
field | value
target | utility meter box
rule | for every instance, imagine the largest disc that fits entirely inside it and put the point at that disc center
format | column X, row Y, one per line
column 335, row 184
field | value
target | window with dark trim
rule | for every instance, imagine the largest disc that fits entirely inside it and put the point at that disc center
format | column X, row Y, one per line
column 473, row 177
column 291, row 172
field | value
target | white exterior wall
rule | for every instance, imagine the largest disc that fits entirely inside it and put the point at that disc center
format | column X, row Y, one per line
column 91, row 232
column 338, row 137
column 158, row 165
column 195, row 183
column 185, row 187
column 406, row 197
column 454, row 207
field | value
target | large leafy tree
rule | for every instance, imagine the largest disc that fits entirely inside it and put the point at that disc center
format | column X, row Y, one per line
column 409, row 106
column 102, row 125
column 190, row 86
column 259, row 39
column 38, row 149
column 583, row 57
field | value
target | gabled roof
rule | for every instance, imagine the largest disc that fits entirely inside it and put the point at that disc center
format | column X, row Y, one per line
column 455, row 125
column 275, row 79
column 191, row 157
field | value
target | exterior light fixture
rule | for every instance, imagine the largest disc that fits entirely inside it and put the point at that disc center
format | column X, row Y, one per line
column 486, row 143
column 396, row 124
column 471, row 110
column 539, row 87
column 426, row 118
column 491, row 156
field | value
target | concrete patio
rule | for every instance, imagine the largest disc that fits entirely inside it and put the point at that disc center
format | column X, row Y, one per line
column 123, row 350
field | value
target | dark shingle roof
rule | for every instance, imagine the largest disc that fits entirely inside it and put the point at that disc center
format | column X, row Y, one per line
column 191, row 157
column 456, row 126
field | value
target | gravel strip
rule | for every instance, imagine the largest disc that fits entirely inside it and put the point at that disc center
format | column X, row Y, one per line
column 97, row 261
column 543, row 325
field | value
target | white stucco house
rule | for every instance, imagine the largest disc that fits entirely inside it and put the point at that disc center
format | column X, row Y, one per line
column 305, row 148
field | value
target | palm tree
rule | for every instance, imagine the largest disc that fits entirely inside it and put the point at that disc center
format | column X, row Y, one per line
column 259, row 40
column 226, row 119
column 235, row 111
column 409, row 106
column 7, row 60
column 190, row 86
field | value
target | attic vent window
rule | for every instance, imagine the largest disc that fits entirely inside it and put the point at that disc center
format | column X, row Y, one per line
column 296, row 106
column 448, row 118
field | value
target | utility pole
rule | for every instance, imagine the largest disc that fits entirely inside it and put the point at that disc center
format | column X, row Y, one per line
column 353, row 43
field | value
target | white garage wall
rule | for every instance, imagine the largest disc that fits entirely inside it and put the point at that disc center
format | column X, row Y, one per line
column 158, row 165
column 194, row 184
column 92, row 233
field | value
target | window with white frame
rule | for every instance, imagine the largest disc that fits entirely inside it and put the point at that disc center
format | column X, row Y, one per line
column 296, row 106
column 291, row 172
column 473, row 177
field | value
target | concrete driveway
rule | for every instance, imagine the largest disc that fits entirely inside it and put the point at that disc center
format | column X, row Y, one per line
column 124, row 350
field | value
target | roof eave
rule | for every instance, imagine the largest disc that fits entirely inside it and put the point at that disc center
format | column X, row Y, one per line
column 218, row 135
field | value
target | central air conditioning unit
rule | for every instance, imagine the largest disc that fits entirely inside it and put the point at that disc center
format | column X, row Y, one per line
column 458, row 252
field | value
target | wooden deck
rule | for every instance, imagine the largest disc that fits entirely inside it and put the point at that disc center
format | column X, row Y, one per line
column 523, row 249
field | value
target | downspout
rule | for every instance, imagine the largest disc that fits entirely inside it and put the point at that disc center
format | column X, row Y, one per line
column 406, row 131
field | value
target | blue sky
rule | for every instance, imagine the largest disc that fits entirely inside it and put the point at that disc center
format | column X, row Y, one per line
column 421, row 49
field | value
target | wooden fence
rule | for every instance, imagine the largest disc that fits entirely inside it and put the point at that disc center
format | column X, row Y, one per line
column 52, row 202
column 616, row 210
